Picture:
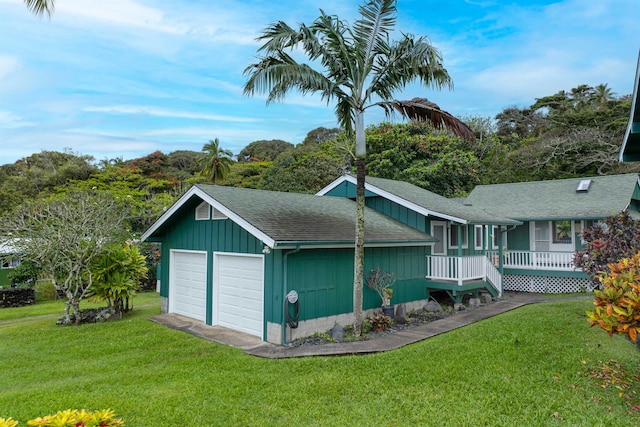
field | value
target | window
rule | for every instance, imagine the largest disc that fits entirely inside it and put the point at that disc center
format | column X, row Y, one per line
column 496, row 234
column 203, row 212
column 561, row 232
column 583, row 186
column 10, row 261
column 454, row 237
column 477, row 236
column 438, row 230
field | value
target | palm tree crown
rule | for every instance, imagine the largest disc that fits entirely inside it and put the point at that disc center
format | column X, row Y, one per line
column 216, row 161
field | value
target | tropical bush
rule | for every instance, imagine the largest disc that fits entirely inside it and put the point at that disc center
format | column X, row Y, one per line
column 618, row 303
column 616, row 238
column 117, row 274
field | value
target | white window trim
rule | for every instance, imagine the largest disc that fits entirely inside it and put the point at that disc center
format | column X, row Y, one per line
column 477, row 245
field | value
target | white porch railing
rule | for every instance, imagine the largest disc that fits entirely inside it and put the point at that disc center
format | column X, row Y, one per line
column 534, row 260
column 463, row 269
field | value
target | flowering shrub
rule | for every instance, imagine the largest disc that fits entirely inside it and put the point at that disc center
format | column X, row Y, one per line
column 618, row 303
column 71, row 418
column 8, row 422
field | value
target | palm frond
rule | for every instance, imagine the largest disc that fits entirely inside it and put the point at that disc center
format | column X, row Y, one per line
column 372, row 31
column 40, row 7
column 421, row 109
column 407, row 60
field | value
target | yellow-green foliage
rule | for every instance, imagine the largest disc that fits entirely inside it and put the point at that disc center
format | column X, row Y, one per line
column 618, row 303
column 8, row 422
column 71, row 418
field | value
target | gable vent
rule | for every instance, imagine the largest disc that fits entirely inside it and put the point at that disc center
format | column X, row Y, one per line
column 583, row 185
column 218, row 215
column 203, row 212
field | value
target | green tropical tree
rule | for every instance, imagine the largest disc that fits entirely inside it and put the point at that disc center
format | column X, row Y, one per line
column 40, row 7
column 216, row 161
column 359, row 67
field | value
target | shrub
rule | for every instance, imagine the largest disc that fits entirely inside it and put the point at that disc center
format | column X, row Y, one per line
column 617, row 238
column 116, row 274
column 379, row 321
column 618, row 303
column 24, row 274
column 71, row 418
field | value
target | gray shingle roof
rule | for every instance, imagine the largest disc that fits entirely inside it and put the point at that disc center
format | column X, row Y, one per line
column 305, row 218
column 557, row 199
column 436, row 203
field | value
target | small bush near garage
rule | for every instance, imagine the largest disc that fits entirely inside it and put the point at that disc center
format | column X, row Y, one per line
column 16, row 297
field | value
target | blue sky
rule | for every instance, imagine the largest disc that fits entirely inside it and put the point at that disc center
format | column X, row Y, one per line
column 124, row 78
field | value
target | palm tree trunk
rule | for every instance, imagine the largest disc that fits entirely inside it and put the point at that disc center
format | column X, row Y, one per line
column 358, row 262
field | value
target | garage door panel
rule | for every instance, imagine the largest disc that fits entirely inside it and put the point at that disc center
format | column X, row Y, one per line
column 240, row 293
column 188, row 284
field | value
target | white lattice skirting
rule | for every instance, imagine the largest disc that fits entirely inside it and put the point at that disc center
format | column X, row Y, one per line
column 546, row 285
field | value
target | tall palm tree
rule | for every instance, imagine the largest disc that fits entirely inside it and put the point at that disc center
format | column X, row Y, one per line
column 602, row 94
column 216, row 161
column 40, row 7
column 361, row 68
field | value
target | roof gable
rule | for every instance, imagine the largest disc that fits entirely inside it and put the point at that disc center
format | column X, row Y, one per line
column 281, row 219
column 422, row 201
column 557, row 199
column 630, row 149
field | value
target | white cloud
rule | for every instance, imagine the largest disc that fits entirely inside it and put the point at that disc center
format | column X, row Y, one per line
column 158, row 112
column 12, row 120
column 8, row 65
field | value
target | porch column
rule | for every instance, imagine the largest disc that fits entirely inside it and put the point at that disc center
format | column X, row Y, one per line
column 500, row 260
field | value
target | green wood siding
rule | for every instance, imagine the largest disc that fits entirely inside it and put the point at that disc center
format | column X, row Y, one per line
column 518, row 238
column 409, row 264
column 397, row 212
column 323, row 279
column 4, row 280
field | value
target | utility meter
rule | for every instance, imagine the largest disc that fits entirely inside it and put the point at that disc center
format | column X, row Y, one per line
column 292, row 297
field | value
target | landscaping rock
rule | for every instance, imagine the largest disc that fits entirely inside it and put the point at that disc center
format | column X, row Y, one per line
column 401, row 314
column 474, row 303
column 432, row 306
column 337, row 332
column 459, row 307
column 488, row 299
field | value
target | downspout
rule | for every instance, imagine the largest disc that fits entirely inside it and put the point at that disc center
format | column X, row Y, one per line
column 284, row 292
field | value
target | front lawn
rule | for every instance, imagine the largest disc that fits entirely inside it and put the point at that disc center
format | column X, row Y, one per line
column 528, row 367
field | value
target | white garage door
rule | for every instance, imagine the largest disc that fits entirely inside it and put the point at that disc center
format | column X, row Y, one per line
column 238, row 292
column 188, row 284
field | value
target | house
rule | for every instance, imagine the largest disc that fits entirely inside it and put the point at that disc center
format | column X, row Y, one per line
column 9, row 260
column 539, row 252
column 235, row 255
column 457, row 261
column 630, row 149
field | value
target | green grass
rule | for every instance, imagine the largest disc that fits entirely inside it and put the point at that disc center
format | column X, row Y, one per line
column 527, row 367
column 51, row 308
